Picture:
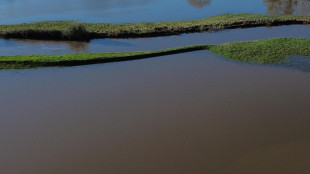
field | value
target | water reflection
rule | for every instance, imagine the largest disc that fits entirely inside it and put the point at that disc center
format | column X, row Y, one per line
column 78, row 46
column 301, row 7
column 120, row 11
column 199, row 3
column 54, row 45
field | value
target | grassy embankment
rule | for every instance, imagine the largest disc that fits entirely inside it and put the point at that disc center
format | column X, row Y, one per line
column 260, row 51
column 70, row 30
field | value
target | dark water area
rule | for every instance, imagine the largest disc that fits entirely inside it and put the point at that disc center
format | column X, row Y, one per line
column 26, row 47
column 186, row 113
column 118, row 11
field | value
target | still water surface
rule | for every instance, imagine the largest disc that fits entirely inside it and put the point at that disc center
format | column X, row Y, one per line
column 116, row 11
column 26, row 47
column 186, row 113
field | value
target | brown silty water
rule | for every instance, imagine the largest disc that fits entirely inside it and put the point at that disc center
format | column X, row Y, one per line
column 186, row 113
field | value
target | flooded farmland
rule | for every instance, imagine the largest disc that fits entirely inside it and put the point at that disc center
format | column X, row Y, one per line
column 185, row 113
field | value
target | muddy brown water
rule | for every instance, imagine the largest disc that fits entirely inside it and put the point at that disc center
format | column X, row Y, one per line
column 186, row 113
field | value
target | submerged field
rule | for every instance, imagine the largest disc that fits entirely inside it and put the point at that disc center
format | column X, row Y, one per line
column 275, row 50
column 71, row 30
column 188, row 105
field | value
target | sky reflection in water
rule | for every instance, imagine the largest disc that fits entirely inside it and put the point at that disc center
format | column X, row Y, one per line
column 117, row 11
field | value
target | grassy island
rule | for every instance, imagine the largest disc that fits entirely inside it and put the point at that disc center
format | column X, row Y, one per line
column 70, row 30
column 264, row 51
column 274, row 50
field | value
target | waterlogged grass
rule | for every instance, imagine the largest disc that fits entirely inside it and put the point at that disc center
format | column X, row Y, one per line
column 70, row 30
column 275, row 50
column 36, row 61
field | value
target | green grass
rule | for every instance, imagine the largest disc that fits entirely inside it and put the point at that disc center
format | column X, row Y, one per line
column 70, row 30
column 261, row 51
column 36, row 61
column 264, row 51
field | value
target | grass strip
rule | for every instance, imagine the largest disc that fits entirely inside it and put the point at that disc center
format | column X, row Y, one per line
column 36, row 61
column 71, row 30
column 275, row 50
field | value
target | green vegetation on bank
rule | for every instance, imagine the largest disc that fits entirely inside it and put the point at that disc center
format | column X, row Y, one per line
column 70, row 30
column 36, row 61
column 261, row 51
column 264, row 51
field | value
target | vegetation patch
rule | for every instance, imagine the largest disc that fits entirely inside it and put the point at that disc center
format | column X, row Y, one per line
column 276, row 50
column 36, row 61
column 76, row 31
column 70, row 30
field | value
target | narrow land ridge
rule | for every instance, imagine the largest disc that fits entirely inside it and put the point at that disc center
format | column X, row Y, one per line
column 71, row 30
column 276, row 50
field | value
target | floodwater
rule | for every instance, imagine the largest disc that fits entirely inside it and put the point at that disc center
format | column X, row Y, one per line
column 24, row 47
column 186, row 113
column 116, row 11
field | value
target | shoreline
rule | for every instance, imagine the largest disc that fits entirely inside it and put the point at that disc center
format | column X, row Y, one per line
column 71, row 30
column 275, row 50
